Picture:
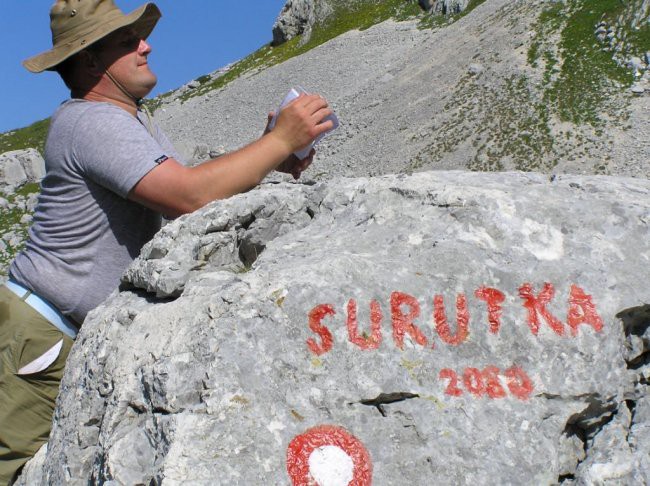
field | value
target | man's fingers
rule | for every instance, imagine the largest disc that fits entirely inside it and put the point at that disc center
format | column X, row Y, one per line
column 324, row 127
column 321, row 114
column 316, row 103
column 301, row 100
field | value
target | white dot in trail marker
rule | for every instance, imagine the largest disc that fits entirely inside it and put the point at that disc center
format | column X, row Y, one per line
column 331, row 466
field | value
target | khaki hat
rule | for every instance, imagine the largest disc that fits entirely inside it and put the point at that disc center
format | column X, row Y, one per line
column 76, row 24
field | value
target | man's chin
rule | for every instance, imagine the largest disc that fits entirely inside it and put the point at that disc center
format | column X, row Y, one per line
column 149, row 85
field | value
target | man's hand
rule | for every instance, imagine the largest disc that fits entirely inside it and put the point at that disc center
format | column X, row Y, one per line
column 302, row 121
column 292, row 164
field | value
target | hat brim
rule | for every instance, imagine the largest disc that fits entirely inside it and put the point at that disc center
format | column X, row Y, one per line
column 143, row 20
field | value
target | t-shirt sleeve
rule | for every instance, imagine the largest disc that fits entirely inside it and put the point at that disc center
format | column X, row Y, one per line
column 169, row 148
column 113, row 149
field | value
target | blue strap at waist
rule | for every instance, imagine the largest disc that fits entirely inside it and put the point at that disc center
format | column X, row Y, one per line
column 44, row 308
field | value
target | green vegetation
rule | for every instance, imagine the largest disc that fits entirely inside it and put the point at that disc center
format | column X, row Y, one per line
column 513, row 128
column 639, row 39
column 517, row 119
column 32, row 136
column 28, row 189
column 203, row 79
column 550, row 21
column 579, row 75
column 10, row 222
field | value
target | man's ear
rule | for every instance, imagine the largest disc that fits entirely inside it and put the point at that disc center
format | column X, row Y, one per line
column 91, row 64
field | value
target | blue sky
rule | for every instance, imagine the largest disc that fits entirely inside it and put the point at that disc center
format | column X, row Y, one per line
column 192, row 38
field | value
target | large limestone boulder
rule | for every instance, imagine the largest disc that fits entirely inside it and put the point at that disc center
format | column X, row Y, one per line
column 450, row 7
column 444, row 7
column 19, row 167
column 297, row 17
column 438, row 328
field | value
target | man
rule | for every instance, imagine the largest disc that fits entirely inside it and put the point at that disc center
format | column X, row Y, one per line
column 110, row 174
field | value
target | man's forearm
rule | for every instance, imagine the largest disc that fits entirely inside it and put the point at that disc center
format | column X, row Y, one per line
column 173, row 189
column 237, row 171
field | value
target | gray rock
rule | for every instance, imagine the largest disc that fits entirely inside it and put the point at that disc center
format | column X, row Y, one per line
column 612, row 457
column 32, row 473
column 218, row 152
column 200, row 154
column 637, row 89
column 476, row 69
column 4, row 204
column 297, row 18
column 426, row 4
column 641, row 14
column 635, row 64
column 253, row 341
column 26, row 219
column 32, row 202
column 450, row 7
column 14, row 240
column 18, row 167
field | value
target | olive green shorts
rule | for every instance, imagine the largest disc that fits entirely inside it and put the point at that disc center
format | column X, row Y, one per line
column 32, row 358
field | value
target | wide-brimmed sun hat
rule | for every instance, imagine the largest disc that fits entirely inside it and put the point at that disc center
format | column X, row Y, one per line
column 76, row 24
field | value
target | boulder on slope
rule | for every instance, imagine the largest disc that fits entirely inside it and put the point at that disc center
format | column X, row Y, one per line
column 450, row 7
column 19, row 167
column 298, row 17
column 447, row 328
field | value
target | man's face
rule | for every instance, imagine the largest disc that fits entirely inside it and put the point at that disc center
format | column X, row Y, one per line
column 124, row 54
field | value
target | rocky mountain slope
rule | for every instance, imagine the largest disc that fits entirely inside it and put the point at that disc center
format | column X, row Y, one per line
column 438, row 327
column 511, row 85
column 20, row 173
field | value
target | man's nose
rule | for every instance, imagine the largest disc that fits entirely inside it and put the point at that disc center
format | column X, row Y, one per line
column 144, row 48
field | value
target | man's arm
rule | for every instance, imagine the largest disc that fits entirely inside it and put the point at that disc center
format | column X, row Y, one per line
column 174, row 189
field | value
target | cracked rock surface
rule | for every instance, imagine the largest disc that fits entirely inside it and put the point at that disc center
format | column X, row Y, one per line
column 466, row 328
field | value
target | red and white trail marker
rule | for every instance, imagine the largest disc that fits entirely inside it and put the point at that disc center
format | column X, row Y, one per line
column 328, row 456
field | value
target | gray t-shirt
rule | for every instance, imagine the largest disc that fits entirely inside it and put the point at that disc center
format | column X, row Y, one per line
column 85, row 232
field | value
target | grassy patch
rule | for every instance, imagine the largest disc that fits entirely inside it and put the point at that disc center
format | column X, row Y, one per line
column 28, row 189
column 508, row 129
column 32, row 136
column 203, row 79
column 579, row 75
column 638, row 40
column 10, row 223
column 549, row 22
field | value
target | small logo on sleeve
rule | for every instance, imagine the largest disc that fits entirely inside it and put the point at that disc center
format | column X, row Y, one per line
column 160, row 160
